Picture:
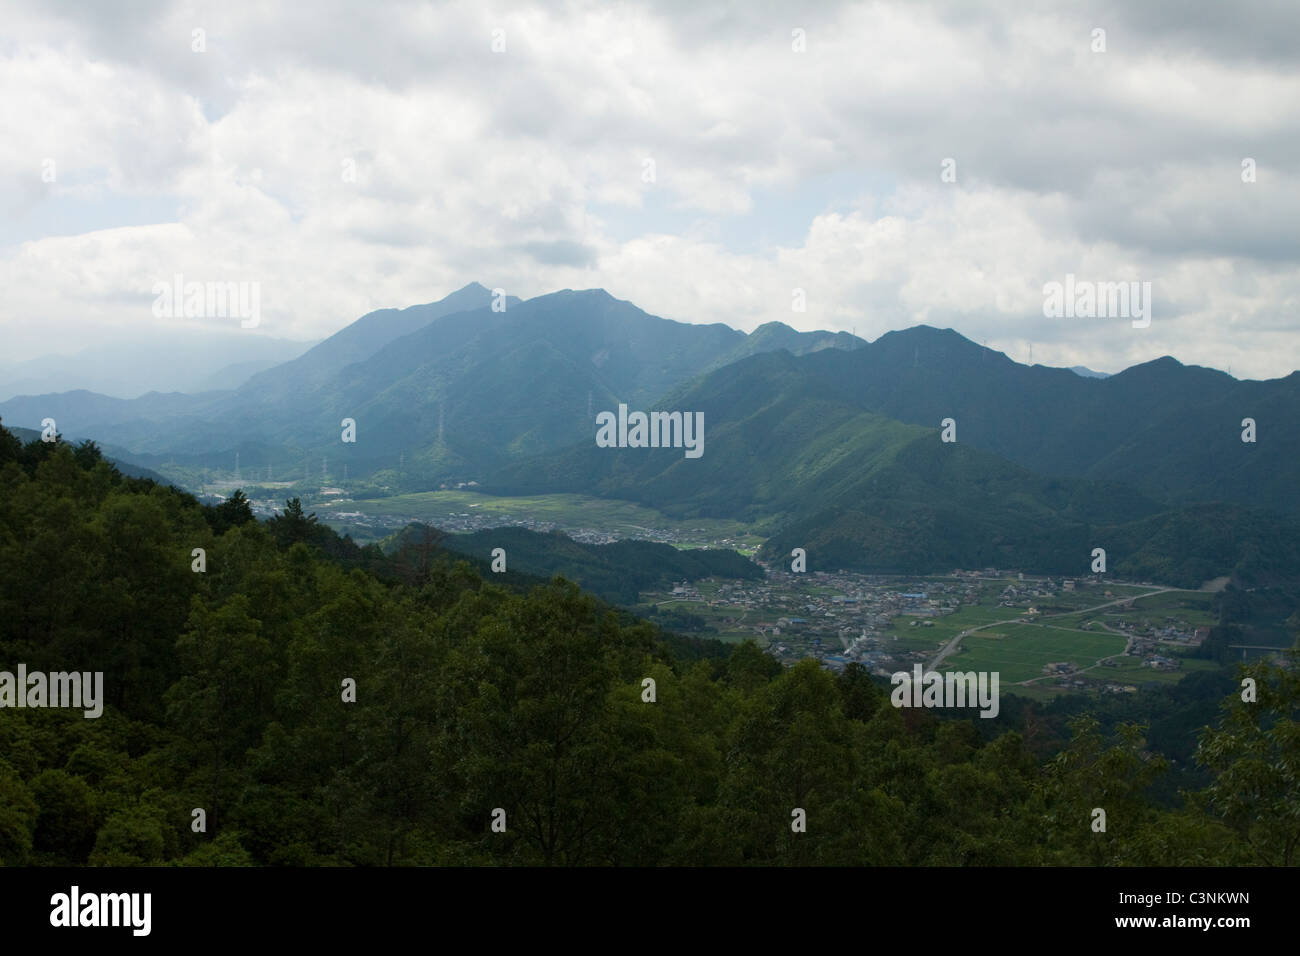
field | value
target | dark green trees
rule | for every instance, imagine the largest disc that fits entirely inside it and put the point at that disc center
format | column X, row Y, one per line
column 323, row 705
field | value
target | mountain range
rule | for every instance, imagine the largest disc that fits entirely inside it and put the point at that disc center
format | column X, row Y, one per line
column 821, row 440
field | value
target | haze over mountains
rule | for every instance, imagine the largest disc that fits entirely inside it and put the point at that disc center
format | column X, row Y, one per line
column 815, row 437
column 189, row 361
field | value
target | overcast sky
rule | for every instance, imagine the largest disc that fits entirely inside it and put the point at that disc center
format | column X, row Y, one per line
column 774, row 168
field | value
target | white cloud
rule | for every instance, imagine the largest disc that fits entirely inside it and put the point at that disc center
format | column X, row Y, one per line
column 506, row 168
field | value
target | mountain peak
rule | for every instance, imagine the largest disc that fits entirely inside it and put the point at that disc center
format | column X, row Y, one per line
column 775, row 327
column 924, row 333
column 927, row 337
column 587, row 294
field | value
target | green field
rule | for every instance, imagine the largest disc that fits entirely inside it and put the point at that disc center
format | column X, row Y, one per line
column 1131, row 671
column 1023, row 650
column 1191, row 607
column 624, row 519
column 949, row 626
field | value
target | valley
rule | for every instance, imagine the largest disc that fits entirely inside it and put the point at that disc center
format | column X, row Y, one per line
column 492, row 426
column 1045, row 636
column 582, row 517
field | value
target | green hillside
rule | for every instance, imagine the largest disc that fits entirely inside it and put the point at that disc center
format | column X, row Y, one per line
column 1171, row 431
column 862, row 492
column 617, row 572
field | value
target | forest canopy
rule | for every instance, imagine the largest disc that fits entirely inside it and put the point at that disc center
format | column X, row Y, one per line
column 302, row 701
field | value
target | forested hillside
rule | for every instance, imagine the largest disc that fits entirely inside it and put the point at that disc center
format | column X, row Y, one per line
column 616, row 572
column 229, row 690
column 861, row 491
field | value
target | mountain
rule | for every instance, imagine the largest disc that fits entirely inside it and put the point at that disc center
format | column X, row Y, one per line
column 357, row 342
column 230, row 377
column 786, row 450
column 1085, row 372
column 1173, row 431
column 252, row 382
column 82, row 414
column 457, row 391
column 441, row 390
column 777, row 336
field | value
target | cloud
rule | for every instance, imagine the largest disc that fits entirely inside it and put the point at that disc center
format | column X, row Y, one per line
column 348, row 162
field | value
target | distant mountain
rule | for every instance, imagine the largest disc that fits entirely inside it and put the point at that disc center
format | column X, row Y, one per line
column 1173, row 431
column 232, row 376
column 1088, row 373
column 222, row 418
column 357, row 342
column 777, row 336
column 457, row 391
column 465, row 392
column 87, row 414
column 179, row 361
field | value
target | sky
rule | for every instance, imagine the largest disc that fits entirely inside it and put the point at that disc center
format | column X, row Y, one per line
column 896, row 163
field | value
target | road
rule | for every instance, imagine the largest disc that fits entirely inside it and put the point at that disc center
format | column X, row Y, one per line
column 952, row 645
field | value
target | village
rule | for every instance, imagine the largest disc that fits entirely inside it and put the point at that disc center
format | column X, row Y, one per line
column 889, row 623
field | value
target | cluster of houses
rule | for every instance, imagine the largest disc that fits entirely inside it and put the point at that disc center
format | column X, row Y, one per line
column 837, row 617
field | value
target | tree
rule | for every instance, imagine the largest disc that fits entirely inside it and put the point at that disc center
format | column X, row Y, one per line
column 231, row 513
column 17, row 818
column 1255, row 754
column 292, row 526
column 221, row 701
column 11, row 449
column 535, row 712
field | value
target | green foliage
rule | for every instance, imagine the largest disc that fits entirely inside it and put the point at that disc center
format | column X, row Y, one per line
column 617, row 572
column 857, row 490
column 231, row 513
column 1255, row 754
column 225, row 693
